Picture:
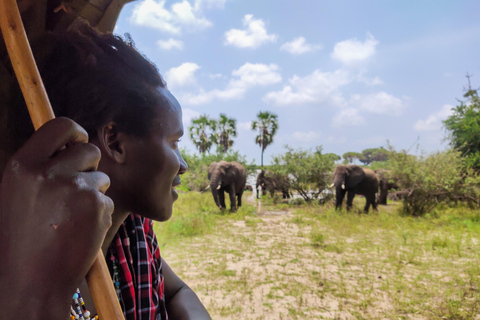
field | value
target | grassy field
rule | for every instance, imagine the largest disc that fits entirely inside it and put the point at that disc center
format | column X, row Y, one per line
column 279, row 261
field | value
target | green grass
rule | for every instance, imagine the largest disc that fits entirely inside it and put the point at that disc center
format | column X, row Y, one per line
column 315, row 262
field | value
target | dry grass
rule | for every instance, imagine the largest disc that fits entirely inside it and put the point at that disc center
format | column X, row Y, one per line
column 311, row 262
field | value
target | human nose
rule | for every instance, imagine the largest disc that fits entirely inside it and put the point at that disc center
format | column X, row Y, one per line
column 183, row 165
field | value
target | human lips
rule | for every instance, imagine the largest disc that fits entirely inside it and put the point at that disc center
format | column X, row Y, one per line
column 176, row 182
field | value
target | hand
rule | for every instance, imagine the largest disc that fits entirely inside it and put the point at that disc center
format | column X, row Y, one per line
column 54, row 216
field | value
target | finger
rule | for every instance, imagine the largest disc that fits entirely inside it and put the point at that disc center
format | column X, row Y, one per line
column 93, row 180
column 78, row 157
column 52, row 137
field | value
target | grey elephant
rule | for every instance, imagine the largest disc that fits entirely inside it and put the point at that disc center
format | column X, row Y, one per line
column 230, row 177
column 272, row 182
column 386, row 182
column 352, row 180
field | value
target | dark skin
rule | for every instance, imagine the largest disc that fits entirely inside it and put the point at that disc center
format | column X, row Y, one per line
column 144, row 172
column 41, row 189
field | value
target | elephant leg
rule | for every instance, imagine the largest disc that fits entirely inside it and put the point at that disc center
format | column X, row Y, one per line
column 233, row 199
column 240, row 194
column 221, row 198
column 340, row 194
column 350, row 196
column 370, row 201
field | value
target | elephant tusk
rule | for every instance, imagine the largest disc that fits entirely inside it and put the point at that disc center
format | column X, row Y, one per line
column 219, row 186
column 208, row 187
column 343, row 186
column 332, row 185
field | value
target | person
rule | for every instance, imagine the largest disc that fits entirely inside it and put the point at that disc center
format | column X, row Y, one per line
column 40, row 192
column 102, row 83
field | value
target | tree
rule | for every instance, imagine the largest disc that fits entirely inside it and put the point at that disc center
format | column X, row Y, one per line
column 308, row 170
column 202, row 132
column 351, row 156
column 266, row 125
column 464, row 127
column 226, row 129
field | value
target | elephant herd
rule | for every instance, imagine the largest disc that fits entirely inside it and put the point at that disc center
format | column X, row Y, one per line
column 349, row 180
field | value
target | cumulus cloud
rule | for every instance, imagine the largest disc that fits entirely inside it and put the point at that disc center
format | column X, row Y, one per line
column 316, row 87
column 434, row 121
column 209, row 4
column 379, row 103
column 179, row 17
column 170, row 44
column 353, row 51
column 307, row 136
column 299, row 46
column 245, row 126
column 182, row 75
column 348, row 117
column 243, row 78
column 188, row 115
column 253, row 36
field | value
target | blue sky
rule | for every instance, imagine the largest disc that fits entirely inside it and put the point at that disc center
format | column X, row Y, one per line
column 347, row 75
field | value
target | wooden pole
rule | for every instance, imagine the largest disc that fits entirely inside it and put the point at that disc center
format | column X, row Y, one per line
column 99, row 278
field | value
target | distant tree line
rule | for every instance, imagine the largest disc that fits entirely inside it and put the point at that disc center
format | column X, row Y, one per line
column 206, row 132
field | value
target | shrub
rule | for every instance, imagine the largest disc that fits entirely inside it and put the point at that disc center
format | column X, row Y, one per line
column 427, row 180
column 308, row 170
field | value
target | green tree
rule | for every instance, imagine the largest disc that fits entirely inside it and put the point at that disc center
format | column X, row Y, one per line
column 266, row 125
column 349, row 157
column 225, row 131
column 309, row 171
column 464, row 128
column 202, row 132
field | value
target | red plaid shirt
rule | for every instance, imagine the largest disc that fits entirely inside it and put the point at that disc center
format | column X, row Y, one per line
column 140, row 270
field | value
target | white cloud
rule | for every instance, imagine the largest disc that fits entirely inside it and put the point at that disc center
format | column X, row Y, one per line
column 353, row 51
column 299, row 46
column 215, row 75
column 434, row 121
column 170, row 44
column 245, row 126
column 371, row 81
column 253, row 36
column 182, row 75
column 348, row 117
column 307, row 136
column 187, row 116
column 379, row 103
column 209, row 4
column 179, row 17
column 244, row 78
column 316, row 87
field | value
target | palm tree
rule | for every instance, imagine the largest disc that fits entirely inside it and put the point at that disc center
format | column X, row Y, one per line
column 226, row 129
column 267, row 125
column 202, row 132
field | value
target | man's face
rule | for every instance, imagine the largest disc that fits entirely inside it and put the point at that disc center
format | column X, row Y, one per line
column 155, row 164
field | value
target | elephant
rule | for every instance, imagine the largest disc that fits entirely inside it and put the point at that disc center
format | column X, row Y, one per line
column 387, row 182
column 353, row 179
column 272, row 182
column 230, row 177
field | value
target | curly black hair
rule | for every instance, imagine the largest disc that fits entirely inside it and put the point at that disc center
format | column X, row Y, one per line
column 91, row 78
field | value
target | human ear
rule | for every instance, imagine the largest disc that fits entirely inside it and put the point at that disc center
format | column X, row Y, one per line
column 112, row 142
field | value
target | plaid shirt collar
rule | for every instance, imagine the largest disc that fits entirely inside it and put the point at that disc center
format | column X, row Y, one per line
column 139, row 266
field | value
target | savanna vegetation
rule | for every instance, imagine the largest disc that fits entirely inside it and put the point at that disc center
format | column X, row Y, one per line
column 417, row 258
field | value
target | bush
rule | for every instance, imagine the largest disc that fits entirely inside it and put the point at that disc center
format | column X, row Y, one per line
column 308, row 170
column 427, row 180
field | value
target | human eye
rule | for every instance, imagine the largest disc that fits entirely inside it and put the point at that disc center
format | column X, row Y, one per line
column 175, row 143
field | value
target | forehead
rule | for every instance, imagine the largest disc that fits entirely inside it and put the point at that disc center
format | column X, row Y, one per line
column 168, row 120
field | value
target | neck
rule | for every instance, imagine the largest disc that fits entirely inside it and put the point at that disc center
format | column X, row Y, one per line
column 117, row 220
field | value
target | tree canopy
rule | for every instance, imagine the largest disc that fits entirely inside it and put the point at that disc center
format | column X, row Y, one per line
column 226, row 129
column 266, row 125
column 202, row 132
column 464, row 128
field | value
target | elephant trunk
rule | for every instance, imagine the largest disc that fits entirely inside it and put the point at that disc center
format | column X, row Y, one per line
column 215, row 185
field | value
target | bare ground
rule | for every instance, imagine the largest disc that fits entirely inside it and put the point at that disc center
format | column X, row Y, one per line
column 270, row 267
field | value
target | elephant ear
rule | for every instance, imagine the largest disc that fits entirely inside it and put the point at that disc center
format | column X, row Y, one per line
column 355, row 176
